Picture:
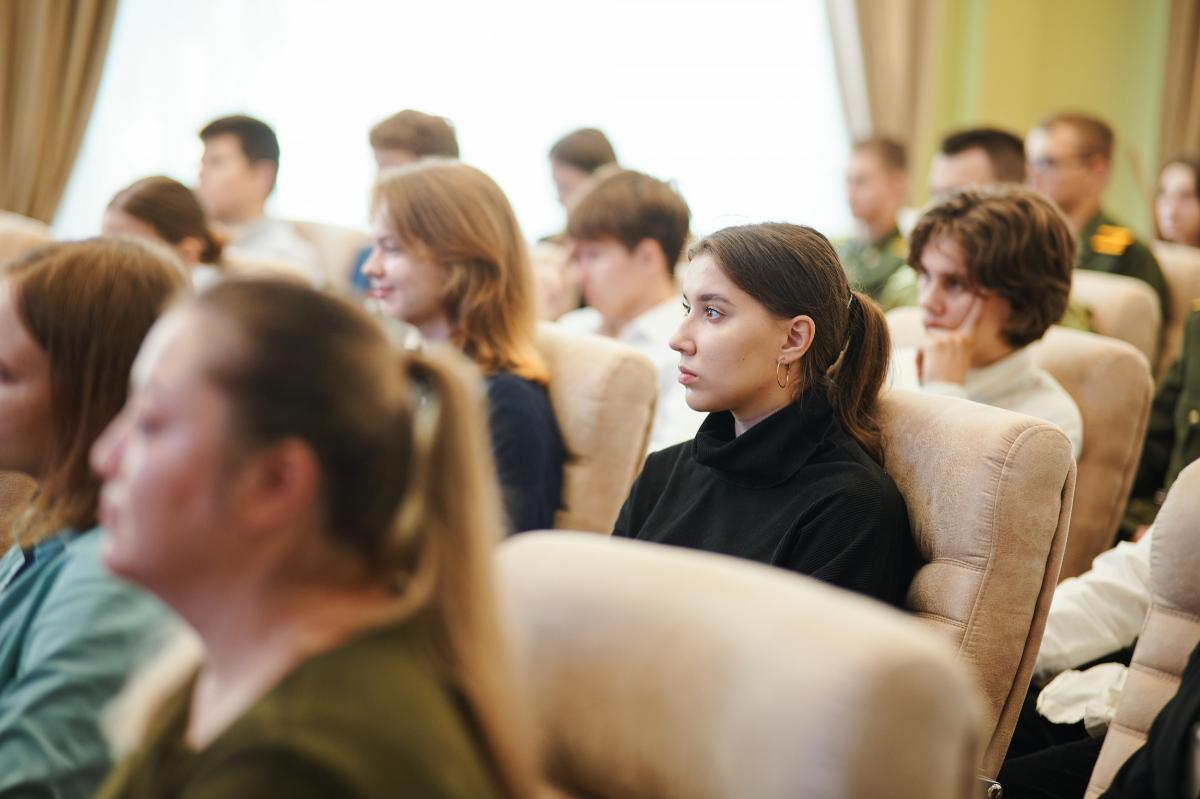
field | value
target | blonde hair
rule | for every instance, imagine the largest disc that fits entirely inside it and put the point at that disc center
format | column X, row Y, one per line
column 406, row 473
column 458, row 217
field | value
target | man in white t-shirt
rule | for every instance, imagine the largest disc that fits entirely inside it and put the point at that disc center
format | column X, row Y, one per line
column 237, row 174
column 627, row 233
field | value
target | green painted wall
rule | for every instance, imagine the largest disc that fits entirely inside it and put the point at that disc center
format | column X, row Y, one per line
column 1009, row 62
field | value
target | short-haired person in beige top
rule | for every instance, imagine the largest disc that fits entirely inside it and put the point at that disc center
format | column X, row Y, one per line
column 994, row 272
column 319, row 508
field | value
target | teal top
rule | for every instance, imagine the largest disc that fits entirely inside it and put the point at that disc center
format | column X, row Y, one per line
column 70, row 633
column 376, row 718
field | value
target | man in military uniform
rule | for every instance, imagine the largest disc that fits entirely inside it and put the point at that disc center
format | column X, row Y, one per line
column 1173, row 434
column 876, row 182
column 1070, row 157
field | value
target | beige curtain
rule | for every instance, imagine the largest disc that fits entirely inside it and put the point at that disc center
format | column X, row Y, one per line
column 883, row 51
column 1181, row 87
column 51, row 56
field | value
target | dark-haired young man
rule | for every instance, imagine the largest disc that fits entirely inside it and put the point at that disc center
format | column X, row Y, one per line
column 237, row 173
column 627, row 234
column 976, row 157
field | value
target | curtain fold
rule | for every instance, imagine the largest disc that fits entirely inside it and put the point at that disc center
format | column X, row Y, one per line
column 883, row 51
column 1181, row 84
column 51, row 56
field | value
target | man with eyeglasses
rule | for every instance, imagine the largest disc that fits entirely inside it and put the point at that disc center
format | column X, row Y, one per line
column 1070, row 158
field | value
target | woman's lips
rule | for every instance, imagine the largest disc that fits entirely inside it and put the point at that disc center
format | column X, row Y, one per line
column 687, row 376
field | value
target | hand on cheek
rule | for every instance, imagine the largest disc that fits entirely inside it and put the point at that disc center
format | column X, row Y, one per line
column 947, row 354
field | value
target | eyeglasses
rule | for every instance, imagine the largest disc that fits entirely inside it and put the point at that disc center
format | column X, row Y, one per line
column 1050, row 164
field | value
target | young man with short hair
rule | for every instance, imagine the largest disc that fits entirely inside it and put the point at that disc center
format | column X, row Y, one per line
column 975, row 157
column 237, row 173
column 1070, row 159
column 627, row 233
column 410, row 135
column 876, row 182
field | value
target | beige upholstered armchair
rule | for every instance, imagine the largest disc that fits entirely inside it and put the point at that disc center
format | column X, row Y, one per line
column 603, row 394
column 1171, row 630
column 663, row 673
column 1181, row 267
column 1122, row 307
column 989, row 497
column 337, row 246
column 238, row 262
column 1110, row 382
column 20, row 234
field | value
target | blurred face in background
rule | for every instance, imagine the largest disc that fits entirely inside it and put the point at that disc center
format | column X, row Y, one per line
column 232, row 190
column 406, row 282
column 25, row 421
column 874, row 191
column 968, row 169
column 568, row 180
column 1060, row 169
column 1177, row 206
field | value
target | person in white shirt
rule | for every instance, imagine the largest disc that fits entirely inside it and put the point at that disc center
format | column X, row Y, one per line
column 237, row 174
column 627, row 234
column 994, row 272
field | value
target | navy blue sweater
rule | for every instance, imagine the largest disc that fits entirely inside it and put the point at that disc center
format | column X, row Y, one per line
column 528, row 450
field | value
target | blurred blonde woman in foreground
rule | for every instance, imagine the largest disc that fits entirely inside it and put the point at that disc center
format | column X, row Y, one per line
column 320, row 509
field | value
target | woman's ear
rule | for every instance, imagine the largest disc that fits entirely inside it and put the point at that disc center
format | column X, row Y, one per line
column 279, row 484
column 800, row 334
column 190, row 250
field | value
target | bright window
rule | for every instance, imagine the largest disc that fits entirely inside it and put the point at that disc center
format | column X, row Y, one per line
column 734, row 101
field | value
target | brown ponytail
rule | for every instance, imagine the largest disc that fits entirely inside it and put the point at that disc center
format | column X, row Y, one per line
column 855, row 379
column 793, row 270
column 173, row 211
column 406, row 473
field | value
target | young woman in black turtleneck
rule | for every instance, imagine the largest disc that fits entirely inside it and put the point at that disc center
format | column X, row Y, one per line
column 788, row 362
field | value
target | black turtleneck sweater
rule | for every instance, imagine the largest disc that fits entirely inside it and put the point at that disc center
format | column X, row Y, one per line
column 794, row 491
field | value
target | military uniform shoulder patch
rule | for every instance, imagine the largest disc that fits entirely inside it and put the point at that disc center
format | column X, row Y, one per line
column 1112, row 240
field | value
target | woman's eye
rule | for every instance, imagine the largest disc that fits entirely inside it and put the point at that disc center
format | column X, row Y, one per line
column 711, row 312
column 687, row 309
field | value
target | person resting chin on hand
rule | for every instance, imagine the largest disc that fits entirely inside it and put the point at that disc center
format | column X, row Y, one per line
column 994, row 272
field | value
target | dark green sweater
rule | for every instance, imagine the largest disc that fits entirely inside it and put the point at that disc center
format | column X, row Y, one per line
column 374, row 718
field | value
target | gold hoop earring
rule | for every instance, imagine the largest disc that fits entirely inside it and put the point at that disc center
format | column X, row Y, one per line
column 787, row 375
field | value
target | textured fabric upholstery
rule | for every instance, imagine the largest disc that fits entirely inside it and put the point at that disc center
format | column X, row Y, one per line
column 337, row 246
column 238, row 262
column 20, row 234
column 1171, row 630
column 1122, row 307
column 1181, row 267
column 989, row 497
column 666, row 673
column 1110, row 382
column 603, row 394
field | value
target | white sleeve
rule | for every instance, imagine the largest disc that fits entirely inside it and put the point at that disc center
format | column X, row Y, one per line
column 1098, row 612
